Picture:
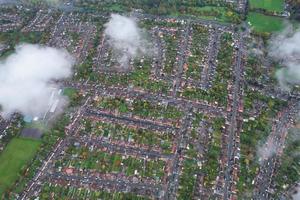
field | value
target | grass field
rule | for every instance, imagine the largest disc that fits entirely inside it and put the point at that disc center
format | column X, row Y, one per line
column 209, row 12
column 69, row 92
column 270, row 5
column 263, row 23
column 13, row 159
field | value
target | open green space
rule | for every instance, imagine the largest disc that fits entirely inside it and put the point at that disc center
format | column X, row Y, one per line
column 116, row 8
column 213, row 10
column 13, row 159
column 269, row 5
column 70, row 92
column 15, row 37
column 221, row 14
column 48, row 140
column 73, row 95
column 264, row 23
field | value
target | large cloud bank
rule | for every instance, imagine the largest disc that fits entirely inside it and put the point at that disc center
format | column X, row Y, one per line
column 126, row 38
column 285, row 47
column 25, row 78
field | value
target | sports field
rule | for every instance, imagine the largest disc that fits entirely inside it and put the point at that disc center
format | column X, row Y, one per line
column 270, row 5
column 263, row 23
column 14, row 158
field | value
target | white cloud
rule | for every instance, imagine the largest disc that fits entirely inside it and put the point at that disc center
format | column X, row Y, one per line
column 126, row 38
column 25, row 78
column 285, row 48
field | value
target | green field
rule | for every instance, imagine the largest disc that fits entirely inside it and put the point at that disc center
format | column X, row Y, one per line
column 211, row 13
column 263, row 23
column 221, row 14
column 13, row 160
column 269, row 5
column 69, row 92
